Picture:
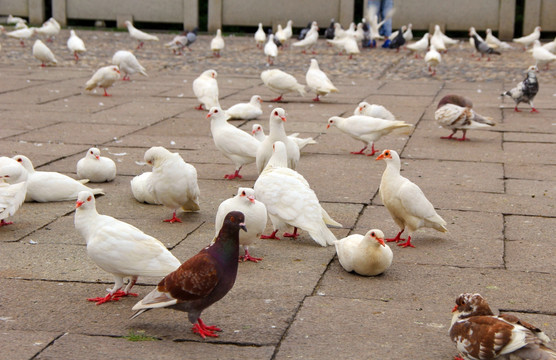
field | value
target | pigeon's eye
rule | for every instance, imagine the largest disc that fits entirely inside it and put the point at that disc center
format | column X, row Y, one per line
column 387, row 153
column 6, row 176
column 19, row 160
column 243, row 193
column 232, row 219
column 215, row 111
column 91, row 152
column 276, row 113
column 373, row 234
column 89, row 198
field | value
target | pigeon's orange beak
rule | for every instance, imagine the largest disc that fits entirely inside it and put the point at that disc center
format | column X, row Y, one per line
column 253, row 131
column 261, row 100
column 208, row 115
column 283, row 118
column 98, row 157
column 251, row 198
column 360, row 109
column 380, row 157
column 455, row 308
column 328, row 126
column 79, row 203
column 381, row 241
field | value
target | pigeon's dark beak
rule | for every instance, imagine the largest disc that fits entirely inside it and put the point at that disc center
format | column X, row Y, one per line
column 243, row 227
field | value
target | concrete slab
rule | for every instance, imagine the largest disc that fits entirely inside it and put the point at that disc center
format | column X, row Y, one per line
column 25, row 344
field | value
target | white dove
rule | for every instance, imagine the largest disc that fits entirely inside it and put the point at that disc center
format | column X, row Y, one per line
column 405, row 201
column 205, row 88
column 437, row 40
column 260, row 36
column 21, row 34
column 103, row 78
column 217, row 44
column 173, row 182
column 246, row 111
column 494, row 42
column 318, row 81
column 367, row 254
column 120, row 248
column 551, row 46
column 270, row 50
column 43, row 53
column 13, row 188
column 14, row 19
column 455, row 117
column 420, row 46
column 408, row 34
column 277, row 133
column 542, row 56
column 139, row 35
column 310, row 39
column 235, row 144
column 49, row 28
column 288, row 32
column 47, row 186
column 290, row 201
column 281, row 83
column 255, row 218
column 96, row 168
column 128, row 64
column 433, row 58
column 280, row 35
column 20, row 25
column 75, row 45
column 140, row 189
column 373, row 110
column 366, row 129
column 258, row 133
column 447, row 40
column 347, row 44
column 472, row 32
column 527, row 40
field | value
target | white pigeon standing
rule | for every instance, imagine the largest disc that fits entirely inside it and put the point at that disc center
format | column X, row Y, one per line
column 255, row 218
column 276, row 133
column 405, row 201
column 96, row 168
column 13, row 188
column 367, row 254
column 233, row 143
column 494, row 42
column 75, row 45
column 318, row 81
column 270, row 50
column 246, row 111
column 14, row 19
column 437, row 40
column 140, row 189
column 104, row 78
column 288, row 31
column 528, row 40
column 280, row 35
column 366, row 129
column 447, row 40
column 347, row 44
column 258, row 133
column 260, row 36
column 432, row 58
column 47, row 186
column 50, row 28
column 128, row 64
column 217, row 44
column 455, row 117
column 373, row 110
column 542, row 56
column 408, row 34
column 281, row 83
column 310, row 39
column 173, row 182
column 119, row 248
column 139, row 35
column 290, row 201
column 21, row 34
column 43, row 54
column 420, row 46
column 205, row 88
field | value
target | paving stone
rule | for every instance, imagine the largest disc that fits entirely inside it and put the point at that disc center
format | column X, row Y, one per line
column 24, row 344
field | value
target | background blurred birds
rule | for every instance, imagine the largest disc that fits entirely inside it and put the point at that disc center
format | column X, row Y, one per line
column 75, row 45
column 217, row 44
column 128, row 64
column 42, row 53
column 139, row 35
column 103, row 78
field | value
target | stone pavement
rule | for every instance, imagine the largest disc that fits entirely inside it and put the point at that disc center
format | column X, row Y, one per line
column 497, row 193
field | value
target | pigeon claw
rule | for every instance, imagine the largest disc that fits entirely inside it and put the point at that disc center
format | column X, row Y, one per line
column 291, row 235
column 533, row 110
column 200, row 107
column 204, row 330
column 271, row 236
column 277, row 99
column 5, row 223
column 173, row 219
column 360, row 152
column 248, row 257
column 233, row 176
column 397, row 238
column 407, row 243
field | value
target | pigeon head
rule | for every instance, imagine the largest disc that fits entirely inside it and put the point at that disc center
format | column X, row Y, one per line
column 532, row 69
column 278, row 115
column 362, row 106
column 468, row 305
column 85, row 200
column 314, row 64
column 233, row 221
column 256, row 129
column 12, row 174
column 216, row 112
column 388, row 156
column 256, row 99
column 116, row 69
column 246, row 193
column 127, row 23
column 209, row 73
column 93, row 153
column 333, row 121
column 376, row 235
column 155, row 155
column 279, row 156
column 24, row 160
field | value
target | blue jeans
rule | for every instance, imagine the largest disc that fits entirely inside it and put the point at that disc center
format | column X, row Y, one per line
column 383, row 7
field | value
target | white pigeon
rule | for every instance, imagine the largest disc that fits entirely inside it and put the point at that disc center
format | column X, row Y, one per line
column 173, row 182
column 528, row 40
column 270, row 50
column 13, row 188
column 21, row 34
column 318, row 81
column 310, row 39
column 246, row 111
column 128, row 64
column 408, row 34
column 276, row 133
column 347, row 44
column 50, row 28
column 42, row 53
column 119, row 248
column 177, row 43
column 437, row 40
column 281, row 83
column 494, row 42
column 47, row 186
column 258, row 133
column 233, row 143
column 20, row 25
column 338, row 31
column 551, row 46
column 103, row 78
column 374, row 25
column 205, row 88
column 405, row 201
column 14, row 19
column 432, row 58
column 366, row 129
column 367, row 254
column 217, row 44
column 140, row 189
column 447, row 40
column 290, row 201
column 373, row 110
column 542, row 56
column 75, row 45
column 260, row 36
column 255, row 218
column 280, row 35
column 420, row 46
column 96, row 168
column 455, row 117
column 139, row 35
column 288, row 31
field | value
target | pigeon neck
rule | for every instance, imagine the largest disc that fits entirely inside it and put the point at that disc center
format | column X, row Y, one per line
column 226, row 246
column 277, row 130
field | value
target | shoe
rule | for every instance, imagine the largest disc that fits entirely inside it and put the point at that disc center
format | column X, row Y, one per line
column 386, row 44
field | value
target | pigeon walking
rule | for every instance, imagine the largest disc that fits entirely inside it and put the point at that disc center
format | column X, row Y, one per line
column 526, row 90
column 483, row 48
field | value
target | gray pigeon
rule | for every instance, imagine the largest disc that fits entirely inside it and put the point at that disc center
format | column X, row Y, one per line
column 526, row 90
column 191, row 37
column 483, row 47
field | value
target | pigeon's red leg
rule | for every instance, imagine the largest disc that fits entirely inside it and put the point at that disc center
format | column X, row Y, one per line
column 248, row 257
column 200, row 107
column 111, row 297
column 271, row 236
column 457, row 357
column 5, row 223
column 397, row 238
column 534, row 110
column 516, row 109
column 407, row 243
column 22, row 43
column 373, row 150
column 234, row 175
column 360, row 152
column 350, row 56
column 314, row 52
column 105, row 93
column 76, row 56
column 277, row 99
column 292, row 235
column 317, row 98
column 204, row 330
column 173, row 219
column 463, row 138
column 43, row 65
column 449, row 137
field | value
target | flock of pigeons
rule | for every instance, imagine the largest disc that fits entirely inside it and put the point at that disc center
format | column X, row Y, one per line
column 279, row 193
